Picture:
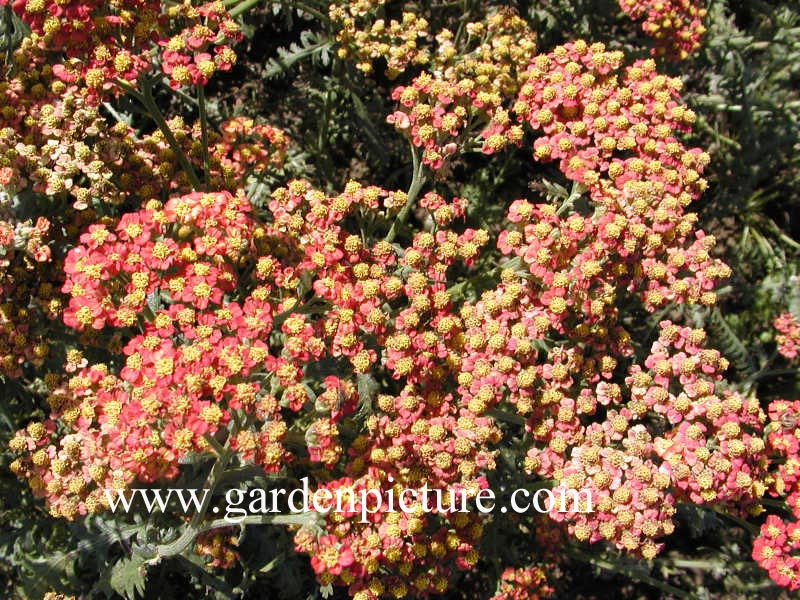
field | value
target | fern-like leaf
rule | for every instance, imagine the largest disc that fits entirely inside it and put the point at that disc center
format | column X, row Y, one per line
column 729, row 343
column 310, row 46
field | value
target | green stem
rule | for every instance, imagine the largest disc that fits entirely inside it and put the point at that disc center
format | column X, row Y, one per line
column 773, row 373
column 194, row 527
column 417, row 181
column 146, row 99
column 322, row 136
column 686, row 563
column 243, row 7
column 576, row 192
column 780, row 504
column 201, row 103
column 304, row 518
column 312, row 11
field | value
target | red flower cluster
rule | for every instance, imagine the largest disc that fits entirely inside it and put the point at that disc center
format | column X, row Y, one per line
column 773, row 549
column 103, row 44
column 783, row 441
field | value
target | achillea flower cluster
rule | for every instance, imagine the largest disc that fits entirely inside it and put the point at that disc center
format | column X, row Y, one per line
column 400, row 43
column 395, row 554
column 100, row 42
column 610, row 129
column 714, row 451
column 527, row 583
column 777, row 548
column 145, row 166
column 708, row 449
column 465, row 94
column 196, row 288
column 203, row 45
column 165, row 268
column 676, row 25
column 24, row 283
column 297, row 339
column 783, row 440
column 247, row 147
column 218, row 545
column 54, row 141
column 788, row 335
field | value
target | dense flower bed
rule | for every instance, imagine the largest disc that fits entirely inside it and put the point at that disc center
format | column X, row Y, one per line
column 192, row 304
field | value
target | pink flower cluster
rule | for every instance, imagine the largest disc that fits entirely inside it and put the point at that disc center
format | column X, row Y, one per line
column 465, row 94
column 777, row 548
column 187, row 56
column 609, row 130
column 788, row 335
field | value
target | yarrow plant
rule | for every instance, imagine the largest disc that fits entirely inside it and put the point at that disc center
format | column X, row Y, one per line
column 194, row 299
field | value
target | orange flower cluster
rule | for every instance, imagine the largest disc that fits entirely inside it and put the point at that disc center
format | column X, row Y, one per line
column 676, row 25
column 528, row 583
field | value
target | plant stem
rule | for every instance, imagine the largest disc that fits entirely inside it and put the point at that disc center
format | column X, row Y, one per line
column 146, row 99
column 772, row 373
column 576, row 192
column 243, row 7
column 417, row 181
column 303, row 518
column 312, row 11
column 201, row 103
